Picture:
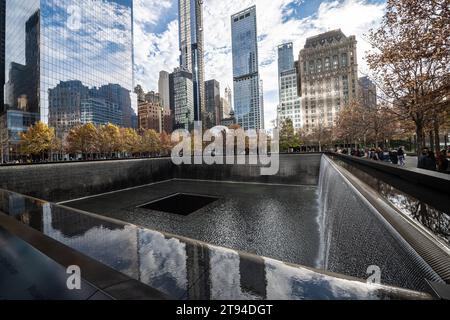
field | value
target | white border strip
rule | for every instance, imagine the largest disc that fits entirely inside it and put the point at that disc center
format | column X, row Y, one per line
column 250, row 183
column 112, row 192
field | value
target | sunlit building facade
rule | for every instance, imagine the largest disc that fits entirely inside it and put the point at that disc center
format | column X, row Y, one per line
column 150, row 112
column 163, row 89
column 327, row 77
column 52, row 41
column 227, row 103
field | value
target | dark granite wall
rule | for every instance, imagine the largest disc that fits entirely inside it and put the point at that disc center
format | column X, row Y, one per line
column 61, row 182
column 294, row 169
column 66, row 181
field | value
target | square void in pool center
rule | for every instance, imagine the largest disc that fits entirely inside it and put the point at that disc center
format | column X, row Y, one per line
column 180, row 203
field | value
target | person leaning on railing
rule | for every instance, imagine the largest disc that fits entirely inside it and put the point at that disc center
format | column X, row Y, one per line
column 442, row 161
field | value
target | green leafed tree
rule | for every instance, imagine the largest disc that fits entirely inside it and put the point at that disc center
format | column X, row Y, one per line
column 289, row 139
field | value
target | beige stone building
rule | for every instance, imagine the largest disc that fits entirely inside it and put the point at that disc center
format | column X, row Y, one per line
column 150, row 112
column 328, row 77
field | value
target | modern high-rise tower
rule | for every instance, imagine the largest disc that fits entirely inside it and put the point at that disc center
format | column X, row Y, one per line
column 2, row 52
column 163, row 88
column 289, row 106
column 191, row 49
column 213, row 104
column 181, row 99
column 247, row 103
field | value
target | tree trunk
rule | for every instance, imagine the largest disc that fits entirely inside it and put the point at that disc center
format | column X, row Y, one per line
column 446, row 141
column 420, row 141
column 431, row 140
column 437, row 139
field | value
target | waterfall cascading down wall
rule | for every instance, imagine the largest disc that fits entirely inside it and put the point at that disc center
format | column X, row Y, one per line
column 354, row 236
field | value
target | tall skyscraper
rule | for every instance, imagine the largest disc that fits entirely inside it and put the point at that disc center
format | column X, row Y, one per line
column 248, row 109
column 2, row 53
column 261, row 103
column 163, row 88
column 190, row 17
column 285, row 57
column 229, row 97
column 213, row 105
column 289, row 103
column 182, row 99
column 328, row 77
column 53, row 41
column 367, row 92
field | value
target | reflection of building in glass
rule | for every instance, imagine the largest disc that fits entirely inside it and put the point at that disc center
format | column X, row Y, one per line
column 253, row 276
column 120, row 96
column 100, row 111
column 198, row 271
column 367, row 92
column 327, row 77
column 64, row 103
column 71, row 103
column 182, row 99
column 212, row 101
column 247, row 104
column 52, row 41
column 289, row 102
column 17, row 121
column 20, row 50
column 191, row 50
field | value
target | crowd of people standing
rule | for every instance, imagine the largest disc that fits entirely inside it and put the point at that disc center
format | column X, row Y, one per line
column 427, row 160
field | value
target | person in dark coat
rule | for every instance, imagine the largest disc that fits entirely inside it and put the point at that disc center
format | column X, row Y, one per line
column 427, row 160
column 422, row 159
column 442, row 161
column 393, row 156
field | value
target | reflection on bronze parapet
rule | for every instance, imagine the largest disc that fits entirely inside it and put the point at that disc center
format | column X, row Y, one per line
column 253, row 275
column 198, row 270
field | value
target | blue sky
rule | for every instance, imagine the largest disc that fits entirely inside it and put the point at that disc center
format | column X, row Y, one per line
column 156, row 35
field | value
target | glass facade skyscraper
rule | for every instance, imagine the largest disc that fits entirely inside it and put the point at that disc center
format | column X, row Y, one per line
column 88, row 43
column 190, row 21
column 213, row 106
column 2, row 52
column 182, row 99
column 285, row 57
column 247, row 102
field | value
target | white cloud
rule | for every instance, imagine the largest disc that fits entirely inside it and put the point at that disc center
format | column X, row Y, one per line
column 158, row 52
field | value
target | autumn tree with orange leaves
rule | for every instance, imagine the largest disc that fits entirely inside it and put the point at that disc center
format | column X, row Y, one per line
column 410, row 61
